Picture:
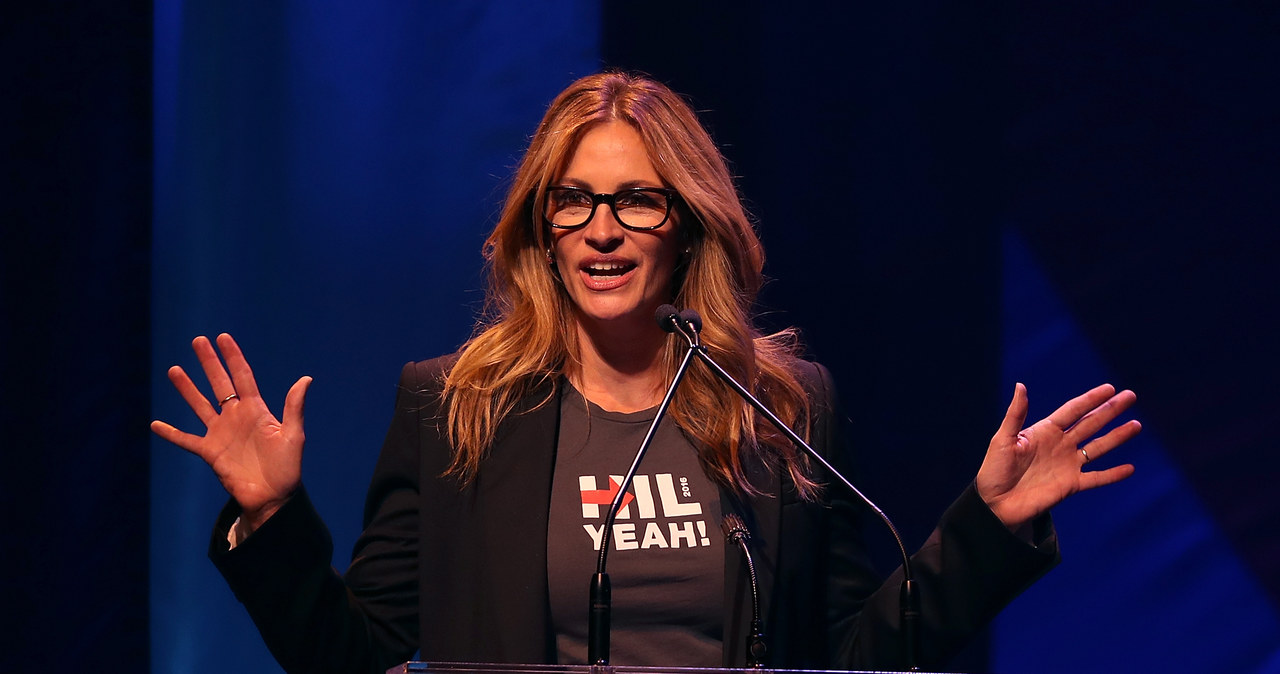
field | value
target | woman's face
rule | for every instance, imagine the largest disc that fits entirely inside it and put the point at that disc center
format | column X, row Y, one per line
column 616, row 277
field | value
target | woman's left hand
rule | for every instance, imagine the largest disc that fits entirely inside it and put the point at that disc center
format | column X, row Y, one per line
column 1029, row 470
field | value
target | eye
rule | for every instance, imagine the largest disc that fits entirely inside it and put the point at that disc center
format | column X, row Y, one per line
column 642, row 199
column 570, row 198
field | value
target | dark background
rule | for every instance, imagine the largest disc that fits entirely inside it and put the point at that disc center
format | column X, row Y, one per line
column 953, row 197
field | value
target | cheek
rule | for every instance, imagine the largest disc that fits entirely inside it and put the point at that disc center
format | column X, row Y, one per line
column 666, row 258
column 556, row 246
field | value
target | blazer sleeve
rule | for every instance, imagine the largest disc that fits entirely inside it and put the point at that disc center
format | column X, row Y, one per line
column 311, row 618
column 969, row 568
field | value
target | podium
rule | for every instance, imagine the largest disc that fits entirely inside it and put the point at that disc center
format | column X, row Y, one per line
column 491, row 668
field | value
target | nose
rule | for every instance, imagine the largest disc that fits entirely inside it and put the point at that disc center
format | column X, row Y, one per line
column 603, row 232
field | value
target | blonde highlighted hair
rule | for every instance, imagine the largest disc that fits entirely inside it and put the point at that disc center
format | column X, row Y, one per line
column 524, row 340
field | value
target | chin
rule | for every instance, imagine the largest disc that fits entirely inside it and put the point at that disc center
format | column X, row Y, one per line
column 617, row 312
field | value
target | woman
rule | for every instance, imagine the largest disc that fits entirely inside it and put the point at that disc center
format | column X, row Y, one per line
column 485, row 505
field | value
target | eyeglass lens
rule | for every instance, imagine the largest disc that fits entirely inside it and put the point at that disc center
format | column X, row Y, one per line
column 640, row 208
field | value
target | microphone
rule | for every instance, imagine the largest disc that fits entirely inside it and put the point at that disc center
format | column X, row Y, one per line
column 668, row 318
column 689, row 324
column 735, row 531
column 686, row 323
column 691, row 320
column 600, row 599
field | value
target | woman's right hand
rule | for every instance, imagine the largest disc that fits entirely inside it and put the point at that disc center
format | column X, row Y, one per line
column 257, row 458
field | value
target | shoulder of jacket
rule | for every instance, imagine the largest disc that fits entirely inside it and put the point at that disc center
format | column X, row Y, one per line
column 427, row 375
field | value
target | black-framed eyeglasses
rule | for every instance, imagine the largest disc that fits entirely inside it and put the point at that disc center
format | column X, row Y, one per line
column 638, row 209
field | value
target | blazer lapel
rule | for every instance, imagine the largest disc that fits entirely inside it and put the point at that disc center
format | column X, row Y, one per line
column 513, row 496
column 487, row 542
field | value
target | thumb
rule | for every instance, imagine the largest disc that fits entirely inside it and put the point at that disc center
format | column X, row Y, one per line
column 1016, row 415
column 294, row 402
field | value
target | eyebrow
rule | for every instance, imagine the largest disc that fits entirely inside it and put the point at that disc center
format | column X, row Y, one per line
column 630, row 184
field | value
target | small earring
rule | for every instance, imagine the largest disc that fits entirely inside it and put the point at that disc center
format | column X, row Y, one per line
column 551, row 260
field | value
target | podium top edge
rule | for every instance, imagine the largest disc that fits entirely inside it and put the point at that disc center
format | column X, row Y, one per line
column 414, row 667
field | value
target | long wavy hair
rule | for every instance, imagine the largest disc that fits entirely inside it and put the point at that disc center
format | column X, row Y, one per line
column 523, row 339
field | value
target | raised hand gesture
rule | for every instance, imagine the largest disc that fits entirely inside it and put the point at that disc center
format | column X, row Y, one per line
column 257, row 458
column 1029, row 470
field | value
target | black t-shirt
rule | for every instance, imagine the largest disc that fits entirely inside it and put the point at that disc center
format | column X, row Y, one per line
column 666, row 556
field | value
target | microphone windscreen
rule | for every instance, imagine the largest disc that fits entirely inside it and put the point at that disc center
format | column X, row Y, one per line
column 666, row 316
column 692, row 318
column 734, row 528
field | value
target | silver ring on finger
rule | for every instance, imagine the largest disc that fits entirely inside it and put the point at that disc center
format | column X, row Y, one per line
column 233, row 396
column 1085, row 454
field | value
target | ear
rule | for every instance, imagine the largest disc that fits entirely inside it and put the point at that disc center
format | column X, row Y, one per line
column 550, row 253
column 690, row 231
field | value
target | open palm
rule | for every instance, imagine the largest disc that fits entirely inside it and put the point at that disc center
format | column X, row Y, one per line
column 257, row 458
column 1029, row 470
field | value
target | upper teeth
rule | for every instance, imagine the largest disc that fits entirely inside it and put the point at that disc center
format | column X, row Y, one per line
column 606, row 266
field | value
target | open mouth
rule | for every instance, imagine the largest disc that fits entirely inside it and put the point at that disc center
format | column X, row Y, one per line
column 606, row 274
column 607, row 269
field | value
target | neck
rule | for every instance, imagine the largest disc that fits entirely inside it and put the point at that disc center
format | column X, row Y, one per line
column 620, row 367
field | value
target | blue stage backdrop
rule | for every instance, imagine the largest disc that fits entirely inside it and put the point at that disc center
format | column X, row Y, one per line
column 953, row 198
column 325, row 176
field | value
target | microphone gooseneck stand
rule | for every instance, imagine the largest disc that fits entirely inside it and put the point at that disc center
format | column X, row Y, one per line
column 689, row 324
column 600, row 605
column 735, row 531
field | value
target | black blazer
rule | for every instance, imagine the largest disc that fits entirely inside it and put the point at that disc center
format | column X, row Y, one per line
column 460, row 574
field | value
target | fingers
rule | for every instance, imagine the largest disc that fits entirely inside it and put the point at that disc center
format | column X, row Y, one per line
column 1098, row 447
column 240, row 381
column 294, row 403
column 1071, row 411
column 187, row 441
column 195, row 399
column 245, row 385
column 1102, row 478
column 1101, row 415
column 1016, row 415
column 213, row 370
